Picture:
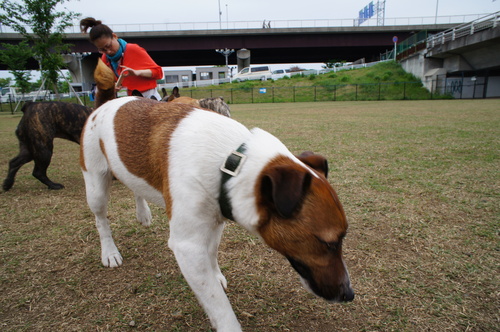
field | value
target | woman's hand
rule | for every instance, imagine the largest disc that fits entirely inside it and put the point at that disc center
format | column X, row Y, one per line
column 127, row 71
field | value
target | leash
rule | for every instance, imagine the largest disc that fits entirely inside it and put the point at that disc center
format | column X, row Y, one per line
column 230, row 168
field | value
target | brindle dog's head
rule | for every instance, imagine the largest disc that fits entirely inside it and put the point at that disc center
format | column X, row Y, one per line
column 302, row 218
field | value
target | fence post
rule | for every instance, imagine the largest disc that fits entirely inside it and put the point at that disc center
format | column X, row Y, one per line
column 272, row 89
column 485, row 85
column 378, row 90
column 232, row 96
column 462, row 86
column 356, row 93
column 334, row 93
column 315, row 93
column 294, row 93
column 10, row 103
column 252, row 94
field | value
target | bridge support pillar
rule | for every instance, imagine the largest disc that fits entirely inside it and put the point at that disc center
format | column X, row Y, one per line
column 243, row 58
column 81, row 68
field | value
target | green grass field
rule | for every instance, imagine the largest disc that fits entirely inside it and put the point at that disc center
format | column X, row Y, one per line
column 384, row 81
column 420, row 184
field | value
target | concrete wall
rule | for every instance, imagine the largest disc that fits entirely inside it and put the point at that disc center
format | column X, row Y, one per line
column 426, row 69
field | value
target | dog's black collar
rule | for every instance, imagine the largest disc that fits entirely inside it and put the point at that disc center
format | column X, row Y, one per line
column 231, row 167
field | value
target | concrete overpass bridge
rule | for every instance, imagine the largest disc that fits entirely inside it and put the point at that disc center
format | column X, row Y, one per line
column 283, row 42
column 463, row 60
column 194, row 44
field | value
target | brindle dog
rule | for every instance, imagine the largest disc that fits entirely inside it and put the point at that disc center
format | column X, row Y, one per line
column 39, row 125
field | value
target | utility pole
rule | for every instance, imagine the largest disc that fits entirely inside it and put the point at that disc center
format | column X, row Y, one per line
column 226, row 53
column 220, row 17
column 437, row 5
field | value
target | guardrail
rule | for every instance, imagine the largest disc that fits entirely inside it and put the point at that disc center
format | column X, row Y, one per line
column 483, row 23
column 232, row 25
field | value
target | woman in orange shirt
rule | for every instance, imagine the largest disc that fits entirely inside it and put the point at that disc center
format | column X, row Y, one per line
column 139, row 70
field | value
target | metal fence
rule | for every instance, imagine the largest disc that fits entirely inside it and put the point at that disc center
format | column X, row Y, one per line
column 483, row 23
column 442, row 88
column 340, row 92
column 473, row 87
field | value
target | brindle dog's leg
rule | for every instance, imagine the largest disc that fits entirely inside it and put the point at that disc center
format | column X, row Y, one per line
column 42, row 155
column 15, row 164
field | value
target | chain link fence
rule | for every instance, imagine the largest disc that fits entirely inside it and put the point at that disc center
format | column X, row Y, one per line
column 341, row 92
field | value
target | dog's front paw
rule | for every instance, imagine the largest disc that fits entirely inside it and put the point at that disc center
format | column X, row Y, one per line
column 112, row 260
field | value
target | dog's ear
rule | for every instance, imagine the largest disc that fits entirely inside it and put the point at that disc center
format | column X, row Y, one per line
column 175, row 91
column 283, row 188
column 315, row 161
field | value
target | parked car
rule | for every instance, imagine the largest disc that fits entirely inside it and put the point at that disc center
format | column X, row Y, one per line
column 253, row 73
column 280, row 73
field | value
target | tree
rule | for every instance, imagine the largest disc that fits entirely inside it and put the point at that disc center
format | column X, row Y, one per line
column 43, row 28
column 63, row 84
column 5, row 82
column 16, row 57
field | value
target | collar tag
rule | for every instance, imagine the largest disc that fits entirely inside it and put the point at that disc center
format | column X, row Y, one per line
column 233, row 163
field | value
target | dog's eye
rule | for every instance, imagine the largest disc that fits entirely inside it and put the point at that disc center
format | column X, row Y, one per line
column 331, row 246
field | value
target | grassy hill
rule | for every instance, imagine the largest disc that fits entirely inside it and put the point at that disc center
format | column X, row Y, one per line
column 384, row 81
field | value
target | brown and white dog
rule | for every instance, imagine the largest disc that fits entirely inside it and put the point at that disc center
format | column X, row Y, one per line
column 202, row 167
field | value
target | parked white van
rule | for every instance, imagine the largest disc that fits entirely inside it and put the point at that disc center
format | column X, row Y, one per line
column 280, row 73
column 253, row 73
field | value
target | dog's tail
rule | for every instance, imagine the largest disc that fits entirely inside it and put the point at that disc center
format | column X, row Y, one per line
column 105, row 82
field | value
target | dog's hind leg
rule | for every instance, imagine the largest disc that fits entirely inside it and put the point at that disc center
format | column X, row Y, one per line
column 15, row 164
column 142, row 210
column 97, row 186
column 42, row 155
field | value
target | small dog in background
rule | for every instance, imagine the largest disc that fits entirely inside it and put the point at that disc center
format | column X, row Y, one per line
column 215, row 104
column 40, row 124
column 175, row 94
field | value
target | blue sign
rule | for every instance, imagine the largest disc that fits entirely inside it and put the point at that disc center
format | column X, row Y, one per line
column 366, row 13
column 262, row 90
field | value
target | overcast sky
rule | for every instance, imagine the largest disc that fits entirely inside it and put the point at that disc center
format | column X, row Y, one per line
column 154, row 11
column 166, row 11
